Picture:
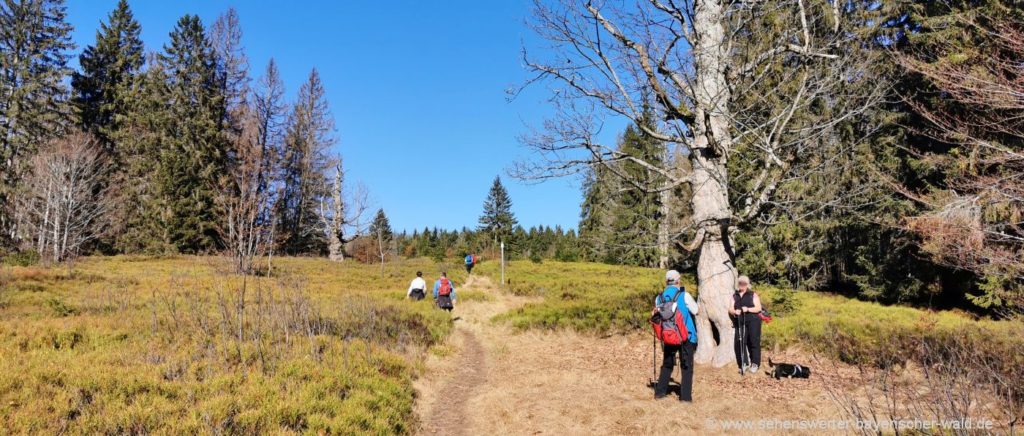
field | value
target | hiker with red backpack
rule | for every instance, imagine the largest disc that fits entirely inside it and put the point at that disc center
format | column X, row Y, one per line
column 444, row 293
column 674, row 326
column 747, row 313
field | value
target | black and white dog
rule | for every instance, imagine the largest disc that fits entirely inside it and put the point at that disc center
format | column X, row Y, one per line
column 788, row 370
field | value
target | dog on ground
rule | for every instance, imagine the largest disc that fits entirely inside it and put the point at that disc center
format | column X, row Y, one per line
column 788, row 370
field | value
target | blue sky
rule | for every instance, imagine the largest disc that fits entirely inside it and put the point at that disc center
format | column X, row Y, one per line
column 417, row 90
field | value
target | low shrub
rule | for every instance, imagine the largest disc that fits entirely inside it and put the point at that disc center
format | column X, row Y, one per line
column 22, row 258
column 174, row 346
column 61, row 308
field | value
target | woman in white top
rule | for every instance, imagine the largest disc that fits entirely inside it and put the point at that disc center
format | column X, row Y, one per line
column 418, row 287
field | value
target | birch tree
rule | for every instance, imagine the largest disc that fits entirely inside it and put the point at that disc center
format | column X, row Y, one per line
column 63, row 200
column 754, row 85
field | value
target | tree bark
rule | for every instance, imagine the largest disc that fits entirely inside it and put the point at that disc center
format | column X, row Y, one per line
column 716, row 273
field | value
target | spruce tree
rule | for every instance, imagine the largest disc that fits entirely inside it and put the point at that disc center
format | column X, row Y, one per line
column 196, row 155
column 497, row 220
column 104, row 88
column 34, row 44
column 633, row 239
column 141, row 225
column 380, row 227
column 597, row 212
column 305, row 161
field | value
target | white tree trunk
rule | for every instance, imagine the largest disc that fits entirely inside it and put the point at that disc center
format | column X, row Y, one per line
column 711, row 211
column 335, row 245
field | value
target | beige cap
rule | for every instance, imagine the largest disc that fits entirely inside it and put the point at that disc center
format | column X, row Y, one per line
column 672, row 275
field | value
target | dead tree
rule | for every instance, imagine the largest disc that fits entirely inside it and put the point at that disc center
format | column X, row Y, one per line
column 64, row 199
column 726, row 89
column 339, row 214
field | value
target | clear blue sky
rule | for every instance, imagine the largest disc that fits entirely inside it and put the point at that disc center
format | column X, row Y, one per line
column 417, row 90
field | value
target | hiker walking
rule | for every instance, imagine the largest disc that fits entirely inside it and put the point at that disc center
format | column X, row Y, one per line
column 417, row 288
column 444, row 293
column 673, row 324
column 746, row 312
column 470, row 263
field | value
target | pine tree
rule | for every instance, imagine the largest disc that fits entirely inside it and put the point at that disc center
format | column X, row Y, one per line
column 197, row 153
column 34, row 45
column 142, row 224
column 637, row 214
column 620, row 222
column 498, row 220
column 103, row 90
column 381, row 227
column 269, row 107
column 232, row 65
column 596, row 212
column 305, row 161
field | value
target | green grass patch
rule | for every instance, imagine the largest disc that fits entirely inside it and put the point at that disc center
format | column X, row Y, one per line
column 604, row 299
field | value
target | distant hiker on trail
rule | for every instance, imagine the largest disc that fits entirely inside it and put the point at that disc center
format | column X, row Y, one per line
column 675, row 327
column 746, row 310
column 417, row 288
column 470, row 263
column 444, row 293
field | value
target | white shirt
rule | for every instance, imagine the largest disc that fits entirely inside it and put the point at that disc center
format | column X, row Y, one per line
column 690, row 302
column 417, row 283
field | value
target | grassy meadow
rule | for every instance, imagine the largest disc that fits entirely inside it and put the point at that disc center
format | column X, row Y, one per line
column 609, row 299
column 180, row 345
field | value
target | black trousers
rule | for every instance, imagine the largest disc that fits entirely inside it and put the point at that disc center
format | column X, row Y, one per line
column 748, row 349
column 445, row 302
column 417, row 294
column 685, row 352
column 469, row 268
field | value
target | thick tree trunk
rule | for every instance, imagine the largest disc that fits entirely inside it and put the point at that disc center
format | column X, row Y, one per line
column 335, row 244
column 712, row 214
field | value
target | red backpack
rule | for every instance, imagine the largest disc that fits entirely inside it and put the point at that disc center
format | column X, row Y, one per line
column 446, row 287
column 668, row 323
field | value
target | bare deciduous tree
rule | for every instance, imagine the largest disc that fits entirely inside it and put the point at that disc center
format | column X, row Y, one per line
column 248, row 195
column 754, row 84
column 63, row 198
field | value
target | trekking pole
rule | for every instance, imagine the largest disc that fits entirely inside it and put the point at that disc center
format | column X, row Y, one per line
column 744, row 354
column 654, row 359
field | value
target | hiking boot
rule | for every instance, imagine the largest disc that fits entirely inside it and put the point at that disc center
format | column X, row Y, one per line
column 753, row 369
column 744, row 369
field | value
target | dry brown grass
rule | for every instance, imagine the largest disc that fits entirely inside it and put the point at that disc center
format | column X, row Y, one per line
column 571, row 383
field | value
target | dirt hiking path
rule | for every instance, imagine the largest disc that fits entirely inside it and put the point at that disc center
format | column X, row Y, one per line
column 489, row 380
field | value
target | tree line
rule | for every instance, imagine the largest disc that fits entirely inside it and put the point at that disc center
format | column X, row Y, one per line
column 863, row 147
column 497, row 225
column 177, row 150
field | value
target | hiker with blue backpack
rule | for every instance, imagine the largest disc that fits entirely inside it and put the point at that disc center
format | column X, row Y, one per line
column 444, row 293
column 675, row 327
column 470, row 263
